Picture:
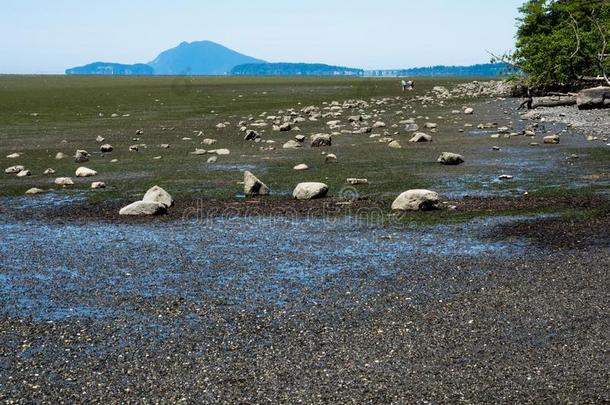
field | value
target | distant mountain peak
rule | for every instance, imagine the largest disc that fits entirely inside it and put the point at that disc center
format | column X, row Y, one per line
column 199, row 58
column 188, row 58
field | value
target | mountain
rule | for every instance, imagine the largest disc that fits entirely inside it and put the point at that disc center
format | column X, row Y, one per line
column 481, row 70
column 293, row 69
column 117, row 69
column 199, row 58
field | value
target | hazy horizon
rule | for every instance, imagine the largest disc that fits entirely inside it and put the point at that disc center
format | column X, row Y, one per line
column 47, row 38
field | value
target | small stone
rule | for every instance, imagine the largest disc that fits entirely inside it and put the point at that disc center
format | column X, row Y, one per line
column 34, row 191
column 301, row 166
column 98, row 184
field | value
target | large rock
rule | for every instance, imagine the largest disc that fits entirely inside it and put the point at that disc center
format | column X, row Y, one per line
column 421, row 137
column 597, row 97
column 291, row 144
column 14, row 169
column 551, row 139
column 106, row 148
column 450, row 159
column 158, row 195
column 319, row 140
column 81, row 156
column 310, row 191
column 253, row 186
column 64, row 181
column 251, row 135
column 416, row 200
column 85, row 172
column 141, row 208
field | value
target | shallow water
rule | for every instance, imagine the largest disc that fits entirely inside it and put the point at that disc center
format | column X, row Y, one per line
column 67, row 270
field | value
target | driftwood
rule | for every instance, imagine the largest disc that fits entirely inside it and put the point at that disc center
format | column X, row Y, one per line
column 554, row 101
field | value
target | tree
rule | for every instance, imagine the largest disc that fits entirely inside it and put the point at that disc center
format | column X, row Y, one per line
column 560, row 41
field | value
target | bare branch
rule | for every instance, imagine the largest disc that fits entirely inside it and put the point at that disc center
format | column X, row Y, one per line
column 602, row 55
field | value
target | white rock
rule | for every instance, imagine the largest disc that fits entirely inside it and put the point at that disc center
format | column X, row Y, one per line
column 98, row 184
column 469, row 111
column 60, row 156
column 551, row 139
column 24, row 173
column 158, row 195
column 49, row 171
column 253, row 186
column 100, row 139
column 310, row 191
column 85, row 172
column 420, row 137
column 302, row 166
column 64, row 181
column 140, row 208
column 13, row 156
column 220, row 152
column 81, row 156
column 450, row 159
column 331, row 158
column 291, row 144
column 354, row 181
column 213, row 159
column 415, row 200
column 14, row 169
column 34, row 191
column 395, row 145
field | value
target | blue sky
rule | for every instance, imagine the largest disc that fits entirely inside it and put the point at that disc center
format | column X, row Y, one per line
column 42, row 36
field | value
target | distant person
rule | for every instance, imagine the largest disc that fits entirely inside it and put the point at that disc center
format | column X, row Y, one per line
column 407, row 85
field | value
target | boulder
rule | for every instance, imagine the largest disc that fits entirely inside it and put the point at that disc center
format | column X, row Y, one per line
column 469, row 111
column 597, row 97
column 14, row 169
column 13, row 156
column 49, row 171
column 310, row 191
column 199, row 152
column 106, row 148
column 395, row 145
column 301, row 167
column 34, row 191
column 85, row 172
column 81, row 156
column 300, row 138
column 64, row 181
column 450, row 159
column 285, row 127
column 551, row 139
column 24, row 173
column 253, row 186
column 141, row 208
column 421, row 137
column 416, row 200
column 60, row 156
column 213, row 159
column 430, row 125
column 291, row 144
column 157, row 195
column 320, row 140
column 99, row 139
column 208, row 141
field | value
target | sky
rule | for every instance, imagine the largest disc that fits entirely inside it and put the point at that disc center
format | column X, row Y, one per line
column 43, row 36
